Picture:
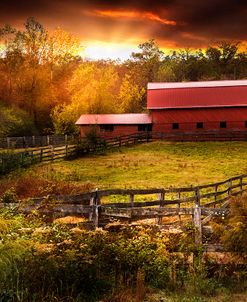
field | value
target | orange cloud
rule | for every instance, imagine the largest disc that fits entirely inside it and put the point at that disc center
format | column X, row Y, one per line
column 134, row 15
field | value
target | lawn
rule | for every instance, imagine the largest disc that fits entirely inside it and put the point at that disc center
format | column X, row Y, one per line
column 152, row 165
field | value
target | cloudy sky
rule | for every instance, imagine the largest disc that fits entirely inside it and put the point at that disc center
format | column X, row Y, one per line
column 111, row 29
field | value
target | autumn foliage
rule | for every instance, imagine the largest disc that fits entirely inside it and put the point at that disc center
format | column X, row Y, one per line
column 45, row 75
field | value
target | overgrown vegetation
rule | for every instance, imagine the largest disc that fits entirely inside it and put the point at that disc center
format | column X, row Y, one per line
column 232, row 229
column 10, row 160
column 60, row 262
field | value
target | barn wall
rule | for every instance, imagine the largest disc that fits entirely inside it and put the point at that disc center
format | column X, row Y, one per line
column 118, row 130
column 187, row 118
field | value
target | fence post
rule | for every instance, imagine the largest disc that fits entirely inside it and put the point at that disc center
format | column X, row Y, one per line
column 229, row 185
column 66, row 150
column 33, row 141
column 161, row 198
column 24, row 144
column 241, row 185
column 131, row 200
column 94, row 215
column 215, row 196
column 48, row 140
column 178, row 205
column 197, row 218
column 8, row 142
column 41, row 155
column 52, row 153
column 131, row 205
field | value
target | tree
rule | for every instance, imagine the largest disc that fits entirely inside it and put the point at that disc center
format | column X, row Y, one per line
column 15, row 122
column 29, row 61
column 143, row 65
column 93, row 89
column 130, row 96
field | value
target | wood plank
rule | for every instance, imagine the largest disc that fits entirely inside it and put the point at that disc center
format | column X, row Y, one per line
column 48, row 208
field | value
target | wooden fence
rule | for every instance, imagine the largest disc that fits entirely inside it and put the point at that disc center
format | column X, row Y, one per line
column 11, row 160
column 198, row 204
column 54, row 140
column 36, row 141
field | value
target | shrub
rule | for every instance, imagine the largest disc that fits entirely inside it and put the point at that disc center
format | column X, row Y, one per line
column 233, row 228
column 15, row 122
column 9, row 196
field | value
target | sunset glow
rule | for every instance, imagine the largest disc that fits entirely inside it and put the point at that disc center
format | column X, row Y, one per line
column 108, row 50
column 135, row 15
column 115, row 28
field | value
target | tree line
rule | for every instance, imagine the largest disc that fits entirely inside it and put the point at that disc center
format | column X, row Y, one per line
column 45, row 85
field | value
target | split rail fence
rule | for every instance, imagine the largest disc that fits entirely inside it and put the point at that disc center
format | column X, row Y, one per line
column 34, row 141
column 197, row 204
column 11, row 160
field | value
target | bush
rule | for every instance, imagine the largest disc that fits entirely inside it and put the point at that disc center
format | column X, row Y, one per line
column 232, row 229
column 10, row 161
column 15, row 122
column 40, row 262
column 91, row 143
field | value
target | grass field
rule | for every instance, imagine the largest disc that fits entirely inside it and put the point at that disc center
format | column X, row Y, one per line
column 156, row 164
column 55, row 261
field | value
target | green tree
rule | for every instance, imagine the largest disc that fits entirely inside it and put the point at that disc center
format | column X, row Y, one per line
column 15, row 122
column 130, row 96
column 144, row 65
column 93, row 89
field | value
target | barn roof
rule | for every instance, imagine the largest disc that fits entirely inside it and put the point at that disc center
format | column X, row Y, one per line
column 117, row 119
column 197, row 94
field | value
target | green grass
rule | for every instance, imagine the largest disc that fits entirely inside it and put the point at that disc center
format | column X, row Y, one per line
column 157, row 164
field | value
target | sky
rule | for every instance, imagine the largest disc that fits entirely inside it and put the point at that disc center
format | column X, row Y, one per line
column 113, row 29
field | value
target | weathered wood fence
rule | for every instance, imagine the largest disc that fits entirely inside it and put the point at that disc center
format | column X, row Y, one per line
column 198, row 204
column 36, row 141
column 11, row 160
column 54, row 140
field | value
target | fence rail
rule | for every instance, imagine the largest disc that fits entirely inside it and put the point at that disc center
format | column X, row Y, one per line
column 200, row 203
column 12, row 160
column 41, row 141
column 22, row 142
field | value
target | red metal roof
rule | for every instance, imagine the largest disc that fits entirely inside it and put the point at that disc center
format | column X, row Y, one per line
column 197, row 84
column 197, row 94
column 115, row 119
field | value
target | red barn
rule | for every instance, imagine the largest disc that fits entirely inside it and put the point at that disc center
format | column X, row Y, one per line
column 110, row 125
column 179, row 107
column 194, row 106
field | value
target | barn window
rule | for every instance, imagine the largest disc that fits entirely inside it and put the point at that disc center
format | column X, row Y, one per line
column 223, row 124
column 199, row 125
column 175, row 126
column 144, row 127
column 245, row 124
column 106, row 128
